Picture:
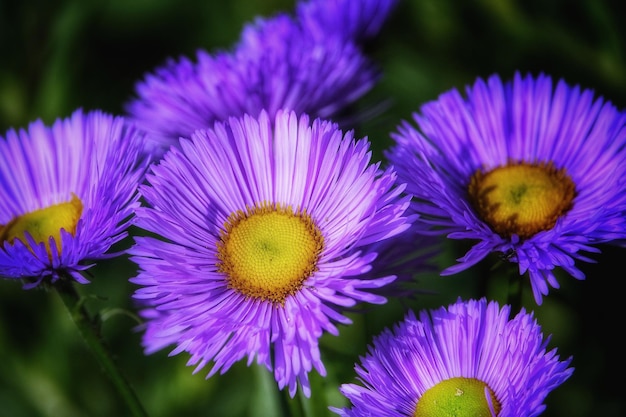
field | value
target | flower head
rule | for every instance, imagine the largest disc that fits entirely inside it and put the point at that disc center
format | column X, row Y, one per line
column 357, row 20
column 68, row 193
column 276, row 64
column 265, row 224
column 468, row 359
column 525, row 168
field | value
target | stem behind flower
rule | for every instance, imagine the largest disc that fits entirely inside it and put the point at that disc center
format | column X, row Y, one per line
column 89, row 328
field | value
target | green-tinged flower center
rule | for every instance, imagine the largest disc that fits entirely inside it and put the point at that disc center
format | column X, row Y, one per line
column 457, row 397
column 44, row 223
column 268, row 251
column 522, row 198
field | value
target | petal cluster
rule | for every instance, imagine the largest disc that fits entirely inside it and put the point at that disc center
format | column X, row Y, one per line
column 286, row 160
column 357, row 20
column 531, row 119
column 277, row 63
column 93, row 156
column 409, row 256
column 471, row 339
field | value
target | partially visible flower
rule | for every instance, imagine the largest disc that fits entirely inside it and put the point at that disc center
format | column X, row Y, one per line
column 67, row 194
column 265, row 224
column 469, row 359
column 408, row 255
column 356, row 20
column 529, row 170
column 275, row 64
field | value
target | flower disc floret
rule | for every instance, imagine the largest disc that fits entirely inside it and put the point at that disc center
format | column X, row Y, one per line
column 456, row 397
column 267, row 252
column 521, row 199
column 43, row 224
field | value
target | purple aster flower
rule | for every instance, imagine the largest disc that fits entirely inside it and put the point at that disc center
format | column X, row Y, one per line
column 358, row 20
column 264, row 224
column 67, row 194
column 469, row 359
column 276, row 64
column 527, row 169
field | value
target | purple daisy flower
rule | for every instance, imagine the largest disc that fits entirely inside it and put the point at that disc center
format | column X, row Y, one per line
column 469, row 359
column 67, row 194
column 527, row 169
column 358, row 20
column 265, row 224
column 276, row 64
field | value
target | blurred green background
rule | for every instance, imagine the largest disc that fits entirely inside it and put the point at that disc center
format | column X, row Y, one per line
column 58, row 55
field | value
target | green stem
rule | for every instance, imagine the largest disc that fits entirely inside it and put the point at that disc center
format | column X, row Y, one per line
column 90, row 331
column 291, row 407
column 317, row 404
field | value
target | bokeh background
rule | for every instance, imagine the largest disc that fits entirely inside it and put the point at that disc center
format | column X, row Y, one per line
column 58, row 55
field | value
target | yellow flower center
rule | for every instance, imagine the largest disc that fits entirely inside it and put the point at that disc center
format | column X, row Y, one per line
column 522, row 198
column 268, row 251
column 457, row 397
column 44, row 223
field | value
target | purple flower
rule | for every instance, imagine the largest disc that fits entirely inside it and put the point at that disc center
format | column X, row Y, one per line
column 264, row 224
column 67, row 194
column 356, row 20
column 276, row 64
column 526, row 169
column 469, row 359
